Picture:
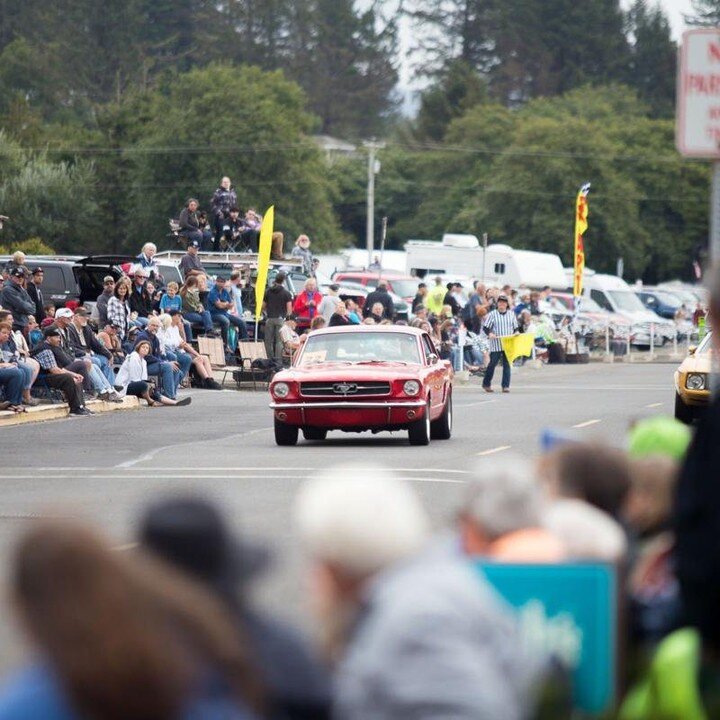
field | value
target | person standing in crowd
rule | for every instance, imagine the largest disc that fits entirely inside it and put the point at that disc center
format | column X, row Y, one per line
column 498, row 324
column 191, row 534
column 15, row 298
column 302, row 251
column 154, row 644
column 35, row 293
column 307, row 303
column 221, row 302
column 435, row 298
column 118, row 309
column 382, row 296
column 277, row 305
column 419, row 299
column 51, row 358
column 224, row 198
column 414, row 630
column 103, row 299
column 330, row 302
column 190, row 263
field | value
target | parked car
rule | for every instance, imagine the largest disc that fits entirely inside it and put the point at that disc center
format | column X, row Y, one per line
column 367, row 377
column 692, row 381
column 661, row 302
column 398, row 283
column 74, row 277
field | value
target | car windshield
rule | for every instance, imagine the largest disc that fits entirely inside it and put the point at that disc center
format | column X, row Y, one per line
column 667, row 298
column 404, row 288
column 705, row 346
column 361, row 347
column 626, row 300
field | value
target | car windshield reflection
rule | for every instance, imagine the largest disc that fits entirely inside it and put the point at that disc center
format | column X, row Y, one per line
column 361, row 347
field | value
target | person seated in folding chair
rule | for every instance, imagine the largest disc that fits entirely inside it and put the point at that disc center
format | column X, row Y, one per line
column 231, row 231
column 221, row 302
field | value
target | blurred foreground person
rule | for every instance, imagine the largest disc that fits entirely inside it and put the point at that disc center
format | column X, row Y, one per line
column 501, row 517
column 120, row 637
column 190, row 534
column 415, row 631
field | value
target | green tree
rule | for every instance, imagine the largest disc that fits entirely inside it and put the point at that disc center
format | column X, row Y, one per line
column 653, row 56
column 191, row 137
column 705, row 13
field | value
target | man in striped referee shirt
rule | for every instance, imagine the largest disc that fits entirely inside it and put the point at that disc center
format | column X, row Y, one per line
column 498, row 324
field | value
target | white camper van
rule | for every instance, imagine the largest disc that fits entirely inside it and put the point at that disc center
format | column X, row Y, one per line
column 614, row 294
column 500, row 265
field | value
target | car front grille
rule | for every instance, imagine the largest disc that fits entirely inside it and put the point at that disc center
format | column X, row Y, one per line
column 344, row 389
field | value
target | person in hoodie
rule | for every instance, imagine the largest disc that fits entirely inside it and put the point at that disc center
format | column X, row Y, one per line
column 413, row 629
column 277, row 305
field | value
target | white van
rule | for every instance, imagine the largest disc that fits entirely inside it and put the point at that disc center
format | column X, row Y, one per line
column 501, row 265
column 615, row 295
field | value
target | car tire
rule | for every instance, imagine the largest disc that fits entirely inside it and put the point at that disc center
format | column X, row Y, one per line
column 419, row 431
column 441, row 429
column 285, row 434
column 684, row 413
column 310, row 433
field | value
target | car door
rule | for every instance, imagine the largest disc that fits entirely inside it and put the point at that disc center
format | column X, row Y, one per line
column 437, row 378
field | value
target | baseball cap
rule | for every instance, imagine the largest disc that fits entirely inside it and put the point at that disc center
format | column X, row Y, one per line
column 38, row 271
column 17, row 272
column 64, row 313
column 659, row 435
column 51, row 332
column 194, row 243
column 220, row 278
column 108, row 279
column 502, row 297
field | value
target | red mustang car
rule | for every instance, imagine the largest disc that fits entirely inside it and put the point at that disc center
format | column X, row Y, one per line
column 364, row 377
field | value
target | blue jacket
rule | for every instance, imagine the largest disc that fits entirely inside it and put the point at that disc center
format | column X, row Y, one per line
column 215, row 295
column 36, row 694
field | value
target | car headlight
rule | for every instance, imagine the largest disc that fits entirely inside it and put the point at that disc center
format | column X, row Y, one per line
column 696, row 381
column 281, row 390
column 411, row 387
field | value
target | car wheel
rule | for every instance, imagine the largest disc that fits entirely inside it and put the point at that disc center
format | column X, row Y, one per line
column 441, row 429
column 310, row 433
column 419, row 431
column 684, row 413
column 285, row 434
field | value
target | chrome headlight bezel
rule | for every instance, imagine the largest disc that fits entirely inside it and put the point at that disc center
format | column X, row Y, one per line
column 412, row 388
column 281, row 390
column 699, row 381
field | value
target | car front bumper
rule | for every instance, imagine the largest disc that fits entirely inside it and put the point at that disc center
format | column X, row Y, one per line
column 349, row 414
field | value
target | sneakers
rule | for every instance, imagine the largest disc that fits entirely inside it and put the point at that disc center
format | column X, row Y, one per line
column 115, row 398
column 81, row 411
column 212, row 384
column 31, row 402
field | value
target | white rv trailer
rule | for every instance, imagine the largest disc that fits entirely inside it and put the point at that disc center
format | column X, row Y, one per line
column 500, row 265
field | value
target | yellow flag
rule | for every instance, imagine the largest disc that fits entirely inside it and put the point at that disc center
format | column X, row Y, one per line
column 581, row 225
column 516, row 346
column 266, row 232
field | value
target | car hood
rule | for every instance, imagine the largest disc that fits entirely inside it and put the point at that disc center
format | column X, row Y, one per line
column 696, row 364
column 388, row 371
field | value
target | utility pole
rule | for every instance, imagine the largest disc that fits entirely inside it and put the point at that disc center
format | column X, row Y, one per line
column 373, row 169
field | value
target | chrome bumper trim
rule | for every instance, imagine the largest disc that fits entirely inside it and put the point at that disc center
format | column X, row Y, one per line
column 341, row 405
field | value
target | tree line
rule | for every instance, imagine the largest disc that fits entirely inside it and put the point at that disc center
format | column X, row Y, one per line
column 113, row 114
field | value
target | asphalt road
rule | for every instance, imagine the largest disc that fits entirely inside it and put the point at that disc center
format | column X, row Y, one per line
column 106, row 468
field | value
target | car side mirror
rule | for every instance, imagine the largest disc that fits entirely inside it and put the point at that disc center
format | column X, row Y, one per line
column 432, row 358
column 692, row 349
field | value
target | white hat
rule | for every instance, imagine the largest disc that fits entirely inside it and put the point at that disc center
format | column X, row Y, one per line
column 360, row 518
column 64, row 313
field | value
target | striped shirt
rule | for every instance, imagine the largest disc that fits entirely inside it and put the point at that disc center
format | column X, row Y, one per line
column 500, row 324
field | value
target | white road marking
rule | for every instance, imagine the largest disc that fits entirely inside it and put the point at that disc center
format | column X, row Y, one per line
column 126, row 547
column 483, row 402
column 166, row 471
column 587, row 423
column 654, row 405
column 492, row 451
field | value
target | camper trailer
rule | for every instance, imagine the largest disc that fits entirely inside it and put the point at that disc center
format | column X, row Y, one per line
column 498, row 265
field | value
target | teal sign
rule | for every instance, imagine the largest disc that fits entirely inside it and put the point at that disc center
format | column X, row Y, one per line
column 570, row 612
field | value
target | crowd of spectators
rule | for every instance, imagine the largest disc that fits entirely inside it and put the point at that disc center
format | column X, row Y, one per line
column 406, row 626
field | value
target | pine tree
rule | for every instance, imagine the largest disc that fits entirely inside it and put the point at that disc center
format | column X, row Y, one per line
column 653, row 54
column 705, row 13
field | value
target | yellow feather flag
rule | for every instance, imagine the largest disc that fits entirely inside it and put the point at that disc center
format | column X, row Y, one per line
column 516, row 346
column 264, row 248
column 581, row 225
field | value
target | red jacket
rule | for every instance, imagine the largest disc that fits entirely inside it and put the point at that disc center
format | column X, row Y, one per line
column 302, row 309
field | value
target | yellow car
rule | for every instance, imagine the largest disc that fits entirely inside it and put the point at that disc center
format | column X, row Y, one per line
column 692, row 381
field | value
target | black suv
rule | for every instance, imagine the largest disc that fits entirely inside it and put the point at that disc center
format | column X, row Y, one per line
column 73, row 277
